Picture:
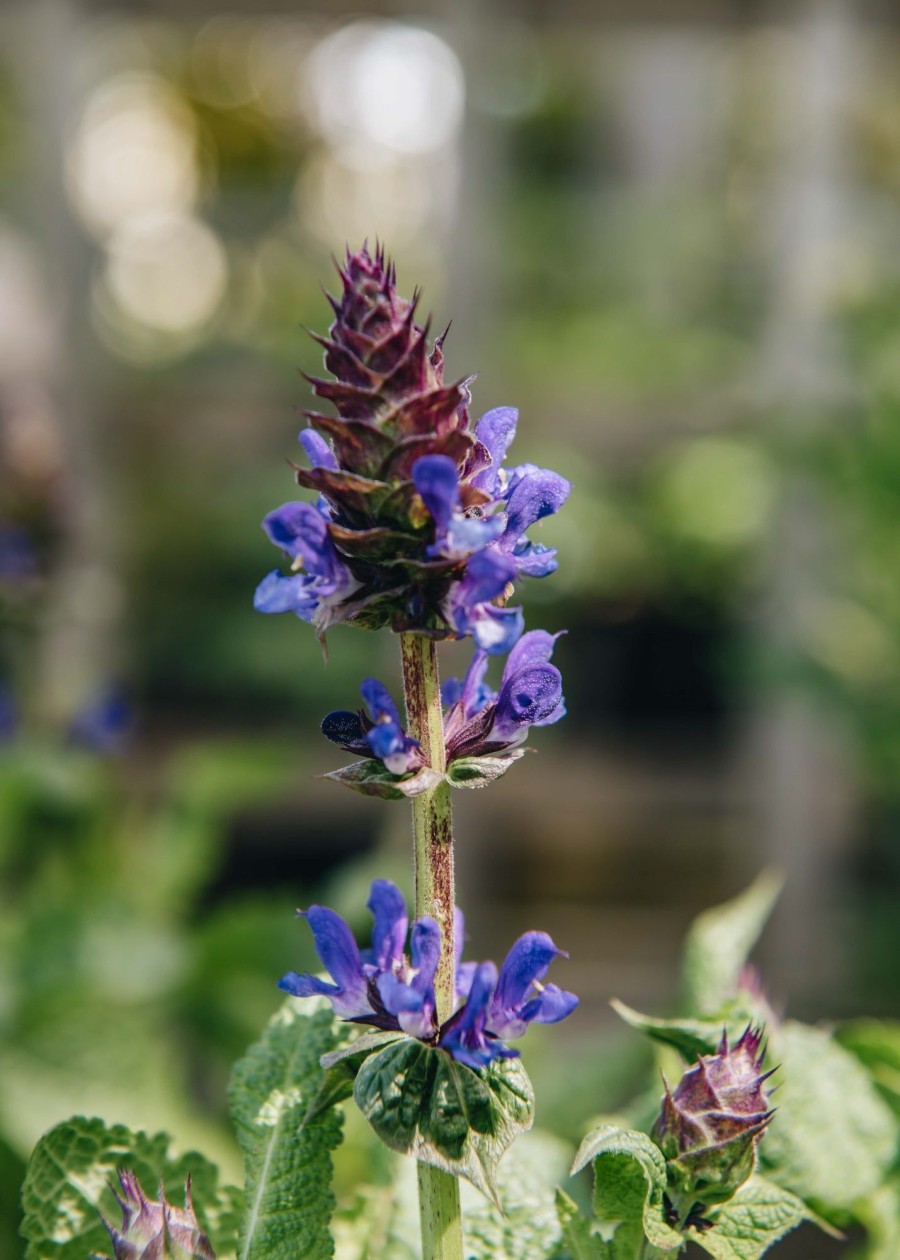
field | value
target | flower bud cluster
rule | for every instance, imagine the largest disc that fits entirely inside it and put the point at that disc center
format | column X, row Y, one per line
column 710, row 1126
column 393, row 990
column 153, row 1230
column 417, row 525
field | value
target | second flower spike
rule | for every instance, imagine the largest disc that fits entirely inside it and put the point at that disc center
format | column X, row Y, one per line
column 483, row 728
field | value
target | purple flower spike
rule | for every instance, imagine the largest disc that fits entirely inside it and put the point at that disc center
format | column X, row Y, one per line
column 465, row 1036
column 456, row 536
column 520, row 998
column 384, row 987
column 339, row 954
column 410, row 492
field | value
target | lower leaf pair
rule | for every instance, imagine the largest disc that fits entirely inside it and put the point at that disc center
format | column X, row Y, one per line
column 421, row 1102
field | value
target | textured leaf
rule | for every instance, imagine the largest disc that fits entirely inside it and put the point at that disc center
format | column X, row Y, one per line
column 629, row 1183
column 68, row 1183
column 360, row 1048
column 287, row 1158
column 753, row 1221
column 690, row 1036
column 833, row 1137
column 340, row 1068
column 476, row 772
column 720, row 941
column 579, row 1236
column 373, row 779
column 528, row 1225
column 421, row 1102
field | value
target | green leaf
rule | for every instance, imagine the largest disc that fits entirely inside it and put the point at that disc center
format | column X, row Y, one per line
column 360, row 1048
column 421, row 1102
column 340, row 1068
column 579, row 1236
column 287, row 1157
column 753, row 1221
column 720, row 941
column 689, row 1036
column 876, row 1043
column 476, row 772
column 629, row 1183
column 68, row 1180
column 373, row 779
column 528, row 1224
column 880, row 1213
column 833, row 1137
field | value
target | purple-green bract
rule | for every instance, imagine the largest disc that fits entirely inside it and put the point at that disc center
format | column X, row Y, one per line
column 151, row 1230
column 710, row 1125
column 417, row 525
column 392, row 990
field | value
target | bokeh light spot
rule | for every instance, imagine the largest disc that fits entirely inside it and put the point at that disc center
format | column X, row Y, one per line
column 382, row 89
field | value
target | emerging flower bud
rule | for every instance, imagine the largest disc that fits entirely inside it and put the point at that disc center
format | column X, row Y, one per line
column 709, row 1128
column 156, row 1231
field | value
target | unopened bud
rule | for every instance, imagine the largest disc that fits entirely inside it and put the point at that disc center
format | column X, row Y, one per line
column 710, row 1126
column 156, row 1231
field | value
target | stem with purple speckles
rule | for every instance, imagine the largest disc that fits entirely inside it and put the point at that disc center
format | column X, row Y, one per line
column 439, row 1209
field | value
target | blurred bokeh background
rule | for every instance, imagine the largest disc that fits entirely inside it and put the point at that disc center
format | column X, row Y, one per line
column 669, row 232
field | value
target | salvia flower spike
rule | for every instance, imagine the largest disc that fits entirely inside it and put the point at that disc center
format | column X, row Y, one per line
column 155, row 1231
column 710, row 1125
column 390, row 989
column 417, row 524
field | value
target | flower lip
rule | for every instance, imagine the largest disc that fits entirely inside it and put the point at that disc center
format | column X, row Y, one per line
column 520, row 998
column 465, row 1036
column 376, row 734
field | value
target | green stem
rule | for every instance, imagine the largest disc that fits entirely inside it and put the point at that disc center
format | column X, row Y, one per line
column 439, row 1211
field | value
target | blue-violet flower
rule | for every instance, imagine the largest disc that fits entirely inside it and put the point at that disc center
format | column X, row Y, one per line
column 385, row 987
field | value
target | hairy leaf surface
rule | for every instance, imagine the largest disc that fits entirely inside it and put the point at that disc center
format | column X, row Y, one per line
column 421, row 1102
column 67, row 1187
column 287, row 1157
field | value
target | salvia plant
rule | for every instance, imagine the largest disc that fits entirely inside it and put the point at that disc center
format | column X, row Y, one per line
column 418, row 524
